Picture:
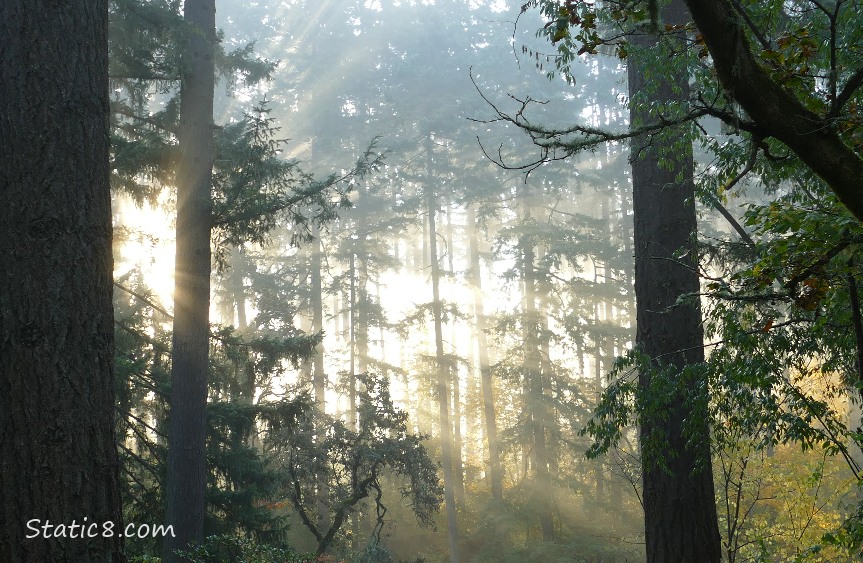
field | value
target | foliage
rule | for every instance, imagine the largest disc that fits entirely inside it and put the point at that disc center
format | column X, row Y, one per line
column 256, row 189
column 146, row 46
column 254, row 186
column 353, row 462
column 240, row 475
column 238, row 548
column 782, row 314
column 779, row 501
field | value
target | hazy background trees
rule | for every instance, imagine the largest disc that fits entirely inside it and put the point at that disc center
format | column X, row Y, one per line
column 401, row 319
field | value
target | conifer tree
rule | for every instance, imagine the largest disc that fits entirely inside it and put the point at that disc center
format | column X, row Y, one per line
column 679, row 505
column 443, row 383
column 186, row 486
column 59, row 464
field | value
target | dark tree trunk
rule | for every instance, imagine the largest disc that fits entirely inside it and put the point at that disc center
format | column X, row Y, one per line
column 58, row 462
column 443, row 392
column 187, row 467
column 679, row 507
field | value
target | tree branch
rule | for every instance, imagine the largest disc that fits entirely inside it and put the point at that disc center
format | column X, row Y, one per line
column 851, row 86
column 778, row 113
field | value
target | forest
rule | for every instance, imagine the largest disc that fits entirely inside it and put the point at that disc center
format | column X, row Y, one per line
column 431, row 281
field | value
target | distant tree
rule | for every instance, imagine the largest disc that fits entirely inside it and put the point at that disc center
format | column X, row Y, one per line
column 535, row 383
column 495, row 470
column 356, row 463
column 59, row 463
column 441, row 367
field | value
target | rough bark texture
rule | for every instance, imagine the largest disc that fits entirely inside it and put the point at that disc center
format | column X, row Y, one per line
column 776, row 112
column 443, row 392
column 187, row 471
column 679, row 507
column 58, row 460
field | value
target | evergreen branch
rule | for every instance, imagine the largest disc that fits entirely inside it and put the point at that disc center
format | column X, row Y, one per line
column 147, row 442
column 129, row 473
column 141, row 461
column 124, row 110
column 143, row 423
column 144, row 299
column 142, row 336
column 142, row 381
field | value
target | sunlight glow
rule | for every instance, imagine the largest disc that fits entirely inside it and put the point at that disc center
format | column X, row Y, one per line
column 149, row 247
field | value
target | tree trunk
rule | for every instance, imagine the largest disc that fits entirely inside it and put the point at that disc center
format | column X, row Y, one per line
column 443, row 392
column 185, row 496
column 319, row 378
column 352, row 336
column 495, row 473
column 59, row 462
column 457, row 442
column 353, row 416
column 679, row 507
column 237, row 291
column 535, row 401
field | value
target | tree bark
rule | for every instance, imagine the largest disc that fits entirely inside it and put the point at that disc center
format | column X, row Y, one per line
column 187, row 464
column 59, row 462
column 776, row 112
column 679, row 507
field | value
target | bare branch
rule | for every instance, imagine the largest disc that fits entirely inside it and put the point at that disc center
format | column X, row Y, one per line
column 559, row 144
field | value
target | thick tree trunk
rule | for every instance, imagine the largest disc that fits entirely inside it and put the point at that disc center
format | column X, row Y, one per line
column 495, row 472
column 187, row 464
column 58, row 463
column 679, row 506
column 443, row 392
